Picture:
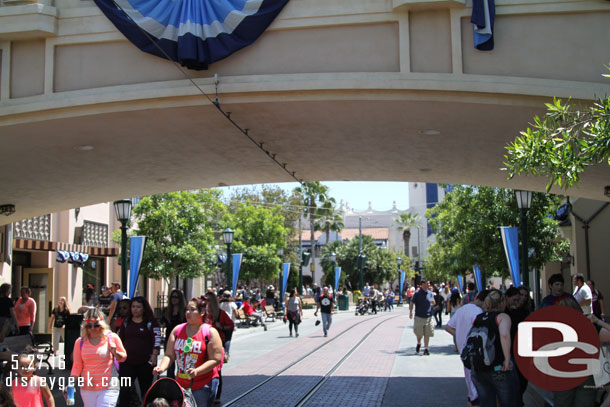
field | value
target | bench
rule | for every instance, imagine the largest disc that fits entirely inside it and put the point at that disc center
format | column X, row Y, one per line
column 15, row 345
column 244, row 320
column 309, row 303
column 270, row 314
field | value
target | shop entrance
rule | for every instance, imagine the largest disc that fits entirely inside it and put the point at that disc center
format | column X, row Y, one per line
column 40, row 281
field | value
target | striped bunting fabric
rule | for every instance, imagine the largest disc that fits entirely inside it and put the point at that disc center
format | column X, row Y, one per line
column 194, row 33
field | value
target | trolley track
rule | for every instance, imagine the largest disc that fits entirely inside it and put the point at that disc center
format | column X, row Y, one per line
column 311, row 389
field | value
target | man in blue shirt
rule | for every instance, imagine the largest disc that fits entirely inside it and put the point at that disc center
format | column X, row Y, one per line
column 423, row 300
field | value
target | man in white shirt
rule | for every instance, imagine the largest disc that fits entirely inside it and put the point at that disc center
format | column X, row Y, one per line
column 583, row 294
column 459, row 326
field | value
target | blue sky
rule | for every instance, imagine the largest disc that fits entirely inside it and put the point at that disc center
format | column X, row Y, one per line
column 358, row 194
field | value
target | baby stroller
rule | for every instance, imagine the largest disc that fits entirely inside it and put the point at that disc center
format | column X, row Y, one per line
column 170, row 390
column 363, row 306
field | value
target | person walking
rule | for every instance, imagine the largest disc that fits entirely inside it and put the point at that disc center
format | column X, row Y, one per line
column 459, row 326
column 423, row 301
column 196, row 348
column 224, row 325
column 500, row 381
column 597, row 301
column 7, row 311
column 141, row 336
column 438, row 308
column 173, row 315
column 582, row 293
column 105, row 299
column 294, row 309
column 227, row 304
column 117, row 296
column 389, row 295
column 326, row 306
column 25, row 308
column 94, row 356
column 57, row 322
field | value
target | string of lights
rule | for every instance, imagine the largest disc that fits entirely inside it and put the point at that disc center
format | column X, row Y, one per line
column 246, row 132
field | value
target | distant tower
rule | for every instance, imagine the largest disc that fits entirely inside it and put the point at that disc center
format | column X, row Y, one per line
column 422, row 196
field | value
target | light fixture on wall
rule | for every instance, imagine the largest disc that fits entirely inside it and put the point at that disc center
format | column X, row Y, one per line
column 7, row 209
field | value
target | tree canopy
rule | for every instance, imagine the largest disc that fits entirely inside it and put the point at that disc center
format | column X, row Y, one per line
column 180, row 229
column 466, row 224
column 563, row 143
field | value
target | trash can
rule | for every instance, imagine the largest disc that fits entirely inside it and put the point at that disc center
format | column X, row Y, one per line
column 343, row 303
column 72, row 333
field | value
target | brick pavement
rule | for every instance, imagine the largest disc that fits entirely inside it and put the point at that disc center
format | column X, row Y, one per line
column 288, row 388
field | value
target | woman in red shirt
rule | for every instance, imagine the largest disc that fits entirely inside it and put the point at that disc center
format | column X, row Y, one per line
column 196, row 348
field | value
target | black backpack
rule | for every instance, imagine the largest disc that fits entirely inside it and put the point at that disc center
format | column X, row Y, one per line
column 479, row 352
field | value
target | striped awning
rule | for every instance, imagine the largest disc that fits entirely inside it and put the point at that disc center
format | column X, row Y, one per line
column 45, row 245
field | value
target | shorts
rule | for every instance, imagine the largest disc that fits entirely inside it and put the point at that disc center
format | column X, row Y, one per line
column 423, row 327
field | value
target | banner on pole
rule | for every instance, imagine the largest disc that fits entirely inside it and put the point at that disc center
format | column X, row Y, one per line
column 402, row 283
column 510, row 239
column 461, row 284
column 337, row 277
column 236, row 266
column 478, row 277
column 137, row 244
column 285, row 272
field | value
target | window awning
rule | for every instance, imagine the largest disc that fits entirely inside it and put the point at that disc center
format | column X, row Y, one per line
column 45, row 245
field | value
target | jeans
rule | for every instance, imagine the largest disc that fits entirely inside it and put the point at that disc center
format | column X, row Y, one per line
column 327, row 319
column 438, row 317
column 503, row 385
column 582, row 395
column 142, row 372
column 204, row 397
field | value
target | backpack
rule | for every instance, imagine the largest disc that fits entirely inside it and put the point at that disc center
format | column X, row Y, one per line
column 479, row 352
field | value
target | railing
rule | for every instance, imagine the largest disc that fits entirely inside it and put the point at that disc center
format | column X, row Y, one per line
column 38, row 228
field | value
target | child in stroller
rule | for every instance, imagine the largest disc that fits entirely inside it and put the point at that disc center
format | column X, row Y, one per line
column 363, row 306
column 166, row 392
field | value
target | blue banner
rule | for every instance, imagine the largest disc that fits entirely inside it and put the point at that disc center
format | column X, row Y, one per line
column 137, row 244
column 402, row 283
column 510, row 239
column 337, row 277
column 285, row 272
column 461, row 284
column 236, row 266
column 478, row 277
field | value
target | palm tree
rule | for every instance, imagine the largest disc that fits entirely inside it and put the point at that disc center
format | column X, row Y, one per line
column 331, row 219
column 315, row 195
column 405, row 222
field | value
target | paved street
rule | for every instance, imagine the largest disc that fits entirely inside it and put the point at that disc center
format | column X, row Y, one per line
column 381, row 370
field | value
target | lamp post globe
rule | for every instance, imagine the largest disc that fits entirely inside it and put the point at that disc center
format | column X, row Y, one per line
column 122, row 209
column 227, row 237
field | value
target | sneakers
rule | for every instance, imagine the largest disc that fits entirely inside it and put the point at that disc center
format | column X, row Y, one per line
column 296, row 334
column 417, row 348
column 265, row 327
column 290, row 334
column 226, row 358
column 426, row 352
column 325, row 335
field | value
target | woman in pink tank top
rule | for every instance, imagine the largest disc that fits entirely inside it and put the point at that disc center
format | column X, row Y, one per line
column 196, row 349
column 29, row 389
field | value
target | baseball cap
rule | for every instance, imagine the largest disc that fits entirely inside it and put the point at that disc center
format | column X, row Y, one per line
column 104, row 287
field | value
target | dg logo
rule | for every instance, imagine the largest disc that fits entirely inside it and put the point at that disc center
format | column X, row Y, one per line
column 557, row 348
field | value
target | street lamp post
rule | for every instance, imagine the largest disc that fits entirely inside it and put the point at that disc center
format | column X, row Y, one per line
column 524, row 202
column 123, row 214
column 280, row 282
column 399, row 262
column 227, row 236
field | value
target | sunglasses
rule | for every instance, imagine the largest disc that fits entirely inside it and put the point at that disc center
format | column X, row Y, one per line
column 188, row 344
column 91, row 326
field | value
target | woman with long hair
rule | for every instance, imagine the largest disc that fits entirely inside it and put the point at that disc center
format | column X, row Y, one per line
column 500, row 381
column 93, row 357
column 173, row 315
column 142, row 338
column 223, row 323
column 122, row 314
column 57, row 321
column 294, row 307
column 196, row 349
